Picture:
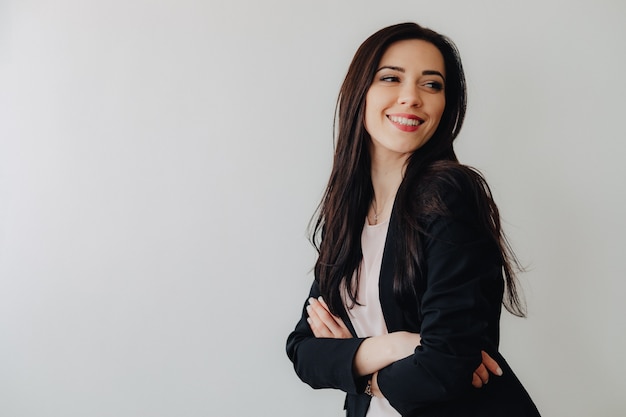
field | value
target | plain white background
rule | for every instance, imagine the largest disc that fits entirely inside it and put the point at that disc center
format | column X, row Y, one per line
column 160, row 161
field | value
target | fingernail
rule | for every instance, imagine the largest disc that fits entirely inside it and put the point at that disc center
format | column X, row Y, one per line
column 320, row 298
column 311, row 300
column 499, row 371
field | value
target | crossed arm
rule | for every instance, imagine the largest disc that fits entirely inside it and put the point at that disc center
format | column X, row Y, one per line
column 377, row 352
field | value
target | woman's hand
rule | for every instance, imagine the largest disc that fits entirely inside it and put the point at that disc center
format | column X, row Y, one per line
column 323, row 323
column 481, row 374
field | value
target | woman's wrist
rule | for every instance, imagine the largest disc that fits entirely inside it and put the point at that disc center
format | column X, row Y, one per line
column 377, row 352
column 373, row 355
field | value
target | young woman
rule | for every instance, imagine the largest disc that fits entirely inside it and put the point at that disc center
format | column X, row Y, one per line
column 413, row 267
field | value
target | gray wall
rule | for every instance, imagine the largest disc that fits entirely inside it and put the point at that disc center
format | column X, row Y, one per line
column 160, row 160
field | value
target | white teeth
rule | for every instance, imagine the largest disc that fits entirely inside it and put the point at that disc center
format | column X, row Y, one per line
column 405, row 121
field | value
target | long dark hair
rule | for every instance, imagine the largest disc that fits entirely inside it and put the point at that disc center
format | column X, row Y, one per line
column 338, row 224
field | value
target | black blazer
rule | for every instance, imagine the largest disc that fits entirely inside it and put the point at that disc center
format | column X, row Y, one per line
column 456, row 312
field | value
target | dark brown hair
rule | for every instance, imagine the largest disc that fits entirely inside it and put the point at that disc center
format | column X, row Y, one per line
column 337, row 229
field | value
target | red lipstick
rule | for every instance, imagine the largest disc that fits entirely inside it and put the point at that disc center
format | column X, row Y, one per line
column 405, row 121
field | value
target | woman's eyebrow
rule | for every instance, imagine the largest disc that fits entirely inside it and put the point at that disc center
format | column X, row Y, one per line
column 400, row 69
column 433, row 72
column 391, row 67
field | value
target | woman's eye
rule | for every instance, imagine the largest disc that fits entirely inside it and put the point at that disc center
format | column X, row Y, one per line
column 434, row 85
column 389, row 78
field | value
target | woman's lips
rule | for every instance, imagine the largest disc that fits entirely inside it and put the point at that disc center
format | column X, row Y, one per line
column 405, row 122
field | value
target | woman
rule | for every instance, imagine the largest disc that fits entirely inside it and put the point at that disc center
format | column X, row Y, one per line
column 412, row 262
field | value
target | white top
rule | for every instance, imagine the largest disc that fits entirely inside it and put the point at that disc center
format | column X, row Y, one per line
column 367, row 318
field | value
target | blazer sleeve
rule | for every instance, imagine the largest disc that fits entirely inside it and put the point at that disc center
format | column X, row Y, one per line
column 463, row 281
column 324, row 362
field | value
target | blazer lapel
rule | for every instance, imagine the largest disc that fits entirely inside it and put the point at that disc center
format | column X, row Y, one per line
column 391, row 312
column 396, row 318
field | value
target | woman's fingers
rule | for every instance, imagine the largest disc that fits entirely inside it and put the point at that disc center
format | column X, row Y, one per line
column 476, row 381
column 322, row 313
column 342, row 330
column 317, row 325
column 491, row 365
column 324, row 324
column 482, row 374
column 323, row 303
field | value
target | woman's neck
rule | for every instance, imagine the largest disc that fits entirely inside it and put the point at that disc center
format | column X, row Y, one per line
column 386, row 175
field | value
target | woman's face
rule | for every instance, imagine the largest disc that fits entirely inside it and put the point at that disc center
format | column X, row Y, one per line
column 406, row 99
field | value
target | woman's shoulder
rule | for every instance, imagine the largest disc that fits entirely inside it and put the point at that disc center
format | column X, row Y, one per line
column 453, row 196
column 445, row 185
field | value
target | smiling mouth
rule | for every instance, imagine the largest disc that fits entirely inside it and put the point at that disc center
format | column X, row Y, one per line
column 405, row 121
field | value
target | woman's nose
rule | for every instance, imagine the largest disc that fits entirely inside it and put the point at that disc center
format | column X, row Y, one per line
column 409, row 96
